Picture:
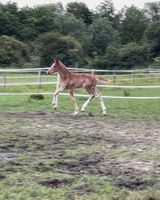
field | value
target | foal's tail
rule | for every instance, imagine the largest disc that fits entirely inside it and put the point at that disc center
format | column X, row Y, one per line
column 103, row 80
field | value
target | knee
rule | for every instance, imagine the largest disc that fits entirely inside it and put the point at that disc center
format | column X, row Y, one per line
column 93, row 95
column 72, row 98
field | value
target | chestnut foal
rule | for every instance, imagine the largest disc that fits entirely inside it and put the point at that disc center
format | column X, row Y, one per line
column 70, row 81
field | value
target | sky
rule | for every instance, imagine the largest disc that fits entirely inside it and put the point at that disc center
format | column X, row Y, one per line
column 90, row 3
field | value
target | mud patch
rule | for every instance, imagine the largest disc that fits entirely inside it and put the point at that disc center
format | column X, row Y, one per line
column 86, row 163
column 81, row 190
column 134, row 183
column 2, row 177
column 56, row 183
column 6, row 157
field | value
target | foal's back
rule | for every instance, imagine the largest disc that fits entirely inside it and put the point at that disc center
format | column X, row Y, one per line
column 83, row 80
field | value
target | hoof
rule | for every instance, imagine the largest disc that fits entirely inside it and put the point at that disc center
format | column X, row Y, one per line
column 90, row 114
column 54, row 109
column 75, row 113
column 104, row 112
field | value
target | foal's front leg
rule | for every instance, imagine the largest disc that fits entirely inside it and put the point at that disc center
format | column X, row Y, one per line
column 73, row 98
column 54, row 103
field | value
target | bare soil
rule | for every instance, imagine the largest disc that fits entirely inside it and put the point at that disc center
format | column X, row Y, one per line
column 125, row 151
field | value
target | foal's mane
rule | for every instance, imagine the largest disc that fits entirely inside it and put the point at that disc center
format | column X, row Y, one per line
column 63, row 65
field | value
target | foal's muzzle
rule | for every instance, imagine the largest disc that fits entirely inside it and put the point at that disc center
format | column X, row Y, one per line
column 53, row 71
column 48, row 72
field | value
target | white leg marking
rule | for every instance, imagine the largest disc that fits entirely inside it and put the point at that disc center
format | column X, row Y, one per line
column 101, row 102
column 54, row 96
column 73, row 98
column 86, row 103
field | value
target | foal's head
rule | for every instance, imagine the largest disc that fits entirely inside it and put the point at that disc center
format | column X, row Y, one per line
column 53, row 68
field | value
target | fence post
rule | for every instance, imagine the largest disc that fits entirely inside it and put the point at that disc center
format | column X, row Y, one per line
column 57, row 87
column 114, row 77
column 150, row 74
column 4, row 81
column 133, row 76
column 39, row 80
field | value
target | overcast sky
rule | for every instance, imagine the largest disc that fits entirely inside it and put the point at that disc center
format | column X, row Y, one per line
column 90, row 3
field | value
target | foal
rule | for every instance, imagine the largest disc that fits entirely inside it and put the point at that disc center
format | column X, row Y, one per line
column 70, row 81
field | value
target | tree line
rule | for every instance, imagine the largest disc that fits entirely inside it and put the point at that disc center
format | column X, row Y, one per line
column 102, row 38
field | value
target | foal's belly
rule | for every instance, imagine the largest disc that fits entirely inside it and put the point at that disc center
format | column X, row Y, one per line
column 78, row 84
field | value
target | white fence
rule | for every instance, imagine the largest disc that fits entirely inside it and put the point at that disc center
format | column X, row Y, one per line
column 113, row 74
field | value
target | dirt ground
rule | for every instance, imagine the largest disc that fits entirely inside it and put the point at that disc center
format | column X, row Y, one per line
column 127, row 152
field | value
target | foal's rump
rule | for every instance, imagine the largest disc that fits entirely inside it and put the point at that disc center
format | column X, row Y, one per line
column 87, row 80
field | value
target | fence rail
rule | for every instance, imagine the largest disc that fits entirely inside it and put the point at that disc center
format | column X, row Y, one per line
column 39, row 81
column 77, row 95
column 101, row 86
column 82, row 69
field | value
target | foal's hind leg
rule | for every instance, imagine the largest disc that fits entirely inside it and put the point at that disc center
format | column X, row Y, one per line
column 73, row 98
column 92, row 95
column 99, row 96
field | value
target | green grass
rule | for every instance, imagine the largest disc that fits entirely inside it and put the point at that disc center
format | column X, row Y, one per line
column 132, row 108
column 114, row 106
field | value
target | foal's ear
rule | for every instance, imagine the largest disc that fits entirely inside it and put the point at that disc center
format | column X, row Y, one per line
column 56, row 61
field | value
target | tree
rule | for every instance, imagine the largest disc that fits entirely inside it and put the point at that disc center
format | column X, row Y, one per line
column 133, row 25
column 152, row 10
column 76, row 28
column 55, row 46
column 106, row 10
column 102, row 35
column 78, row 31
column 46, row 19
column 129, row 56
column 9, row 7
column 112, row 59
column 12, row 52
column 72, row 26
column 9, row 21
column 152, row 35
column 80, row 11
column 27, row 30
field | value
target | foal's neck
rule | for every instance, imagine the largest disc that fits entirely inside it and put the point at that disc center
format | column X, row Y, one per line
column 63, row 71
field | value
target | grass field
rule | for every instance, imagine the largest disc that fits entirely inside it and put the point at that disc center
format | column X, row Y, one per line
column 46, row 155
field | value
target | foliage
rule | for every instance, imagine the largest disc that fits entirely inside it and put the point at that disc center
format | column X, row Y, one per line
column 103, row 36
column 80, row 11
column 12, row 52
column 106, row 10
column 53, row 45
column 153, row 39
column 131, row 55
column 133, row 25
column 152, row 11
column 9, row 22
column 156, row 63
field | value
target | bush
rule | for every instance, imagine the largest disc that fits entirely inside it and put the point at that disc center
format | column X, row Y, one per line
column 12, row 52
column 36, row 96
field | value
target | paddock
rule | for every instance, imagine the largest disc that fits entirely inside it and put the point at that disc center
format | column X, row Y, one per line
column 54, row 155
